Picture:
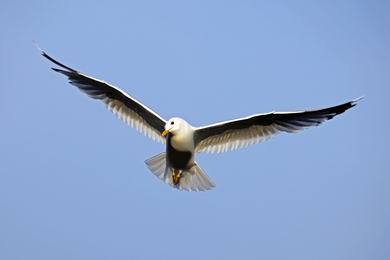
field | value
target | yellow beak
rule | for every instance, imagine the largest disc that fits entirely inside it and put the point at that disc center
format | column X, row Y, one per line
column 165, row 132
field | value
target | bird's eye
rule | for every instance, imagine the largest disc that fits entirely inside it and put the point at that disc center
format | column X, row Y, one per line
column 172, row 123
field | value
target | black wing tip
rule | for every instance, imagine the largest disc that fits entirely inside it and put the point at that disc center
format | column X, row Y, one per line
column 36, row 45
column 65, row 72
column 44, row 54
column 57, row 70
column 342, row 108
column 353, row 102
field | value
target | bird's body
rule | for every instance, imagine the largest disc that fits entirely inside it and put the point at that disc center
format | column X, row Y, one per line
column 177, row 166
column 179, row 158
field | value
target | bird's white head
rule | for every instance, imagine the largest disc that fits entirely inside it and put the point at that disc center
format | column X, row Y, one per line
column 174, row 125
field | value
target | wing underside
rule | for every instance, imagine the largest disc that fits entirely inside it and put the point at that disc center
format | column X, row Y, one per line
column 230, row 135
column 127, row 108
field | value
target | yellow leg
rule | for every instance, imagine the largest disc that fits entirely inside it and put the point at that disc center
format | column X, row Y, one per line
column 176, row 176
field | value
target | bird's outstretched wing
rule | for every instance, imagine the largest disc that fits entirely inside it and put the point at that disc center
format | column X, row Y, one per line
column 127, row 108
column 230, row 135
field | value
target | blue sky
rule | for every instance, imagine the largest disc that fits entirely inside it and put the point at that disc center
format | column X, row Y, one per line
column 73, row 183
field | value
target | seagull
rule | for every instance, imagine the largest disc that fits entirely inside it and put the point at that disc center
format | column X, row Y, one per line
column 177, row 166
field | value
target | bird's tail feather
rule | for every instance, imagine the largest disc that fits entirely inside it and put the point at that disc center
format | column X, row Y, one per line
column 157, row 165
column 194, row 179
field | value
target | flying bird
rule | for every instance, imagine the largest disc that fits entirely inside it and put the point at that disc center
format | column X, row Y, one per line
column 177, row 166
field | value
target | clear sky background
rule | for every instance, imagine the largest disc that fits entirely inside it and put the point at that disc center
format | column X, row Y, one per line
column 73, row 183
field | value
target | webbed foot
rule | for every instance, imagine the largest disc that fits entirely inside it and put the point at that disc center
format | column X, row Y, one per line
column 176, row 174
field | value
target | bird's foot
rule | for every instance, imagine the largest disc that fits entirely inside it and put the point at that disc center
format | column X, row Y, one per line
column 176, row 176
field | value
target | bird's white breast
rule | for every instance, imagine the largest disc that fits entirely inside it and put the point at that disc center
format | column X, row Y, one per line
column 183, row 140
